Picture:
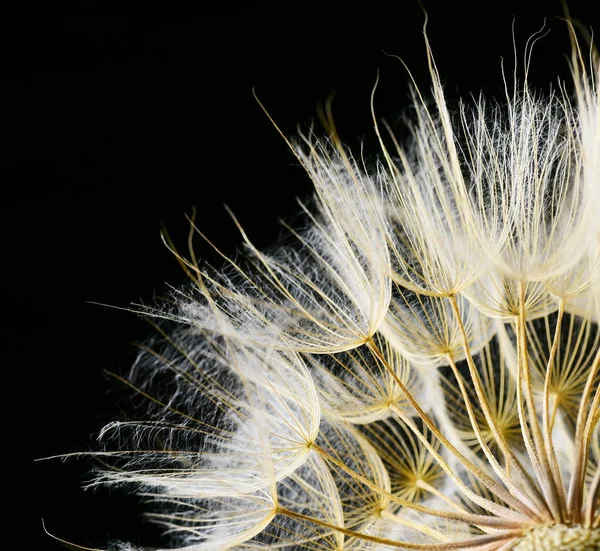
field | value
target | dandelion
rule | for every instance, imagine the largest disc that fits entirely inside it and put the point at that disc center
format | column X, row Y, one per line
column 420, row 370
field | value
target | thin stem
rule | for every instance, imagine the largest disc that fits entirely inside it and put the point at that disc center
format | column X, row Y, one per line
column 477, row 472
column 512, row 487
column 593, row 418
column 523, row 424
column 575, row 497
column 547, row 424
column 593, row 498
column 434, row 491
column 413, row 525
column 542, row 510
column 467, row 518
column 538, row 451
column 470, row 494
column 478, row 541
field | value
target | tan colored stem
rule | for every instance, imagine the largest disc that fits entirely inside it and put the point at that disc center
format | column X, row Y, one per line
column 547, row 422
column 541, row 511
column 474, row 543
column 535, row 449
column 414, row 525
column 575, row 497
column 477, row 472
column 512, row 487
column 593, row 498
column 468, row 518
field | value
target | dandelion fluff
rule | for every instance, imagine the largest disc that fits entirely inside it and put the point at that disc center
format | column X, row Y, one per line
column 359, row 386
column 329, row 292
column 427, row 330
column 418, row 369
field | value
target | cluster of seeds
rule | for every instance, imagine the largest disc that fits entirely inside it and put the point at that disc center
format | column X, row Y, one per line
column 418, row 369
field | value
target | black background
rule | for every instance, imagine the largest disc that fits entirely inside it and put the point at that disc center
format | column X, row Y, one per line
column 112, row 126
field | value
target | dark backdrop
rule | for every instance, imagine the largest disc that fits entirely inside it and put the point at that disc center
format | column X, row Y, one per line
column 112, row 126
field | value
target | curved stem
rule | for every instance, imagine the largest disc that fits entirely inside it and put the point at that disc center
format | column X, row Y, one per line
column 547, row 423
column 413, row 525
column 501, row 492
column 509, row 483
column 474, row 543
column 434, row 491
column 535, row 495
column 467, row 518
column 535, row 449
column 593, row 498
column 575, row 498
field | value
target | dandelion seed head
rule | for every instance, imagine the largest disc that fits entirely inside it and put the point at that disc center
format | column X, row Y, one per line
column 560, row 537
column 419, row 369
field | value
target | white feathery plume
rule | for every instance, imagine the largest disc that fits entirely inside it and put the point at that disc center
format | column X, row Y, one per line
column 432, row 241
column 237, row 422
column 497, row 297
column 586, row 77
column 357, row 386
column 426, row 329
column 536, row 214
column 328, row 293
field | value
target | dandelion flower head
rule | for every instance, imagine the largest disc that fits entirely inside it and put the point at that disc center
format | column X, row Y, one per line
column 417, row 369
